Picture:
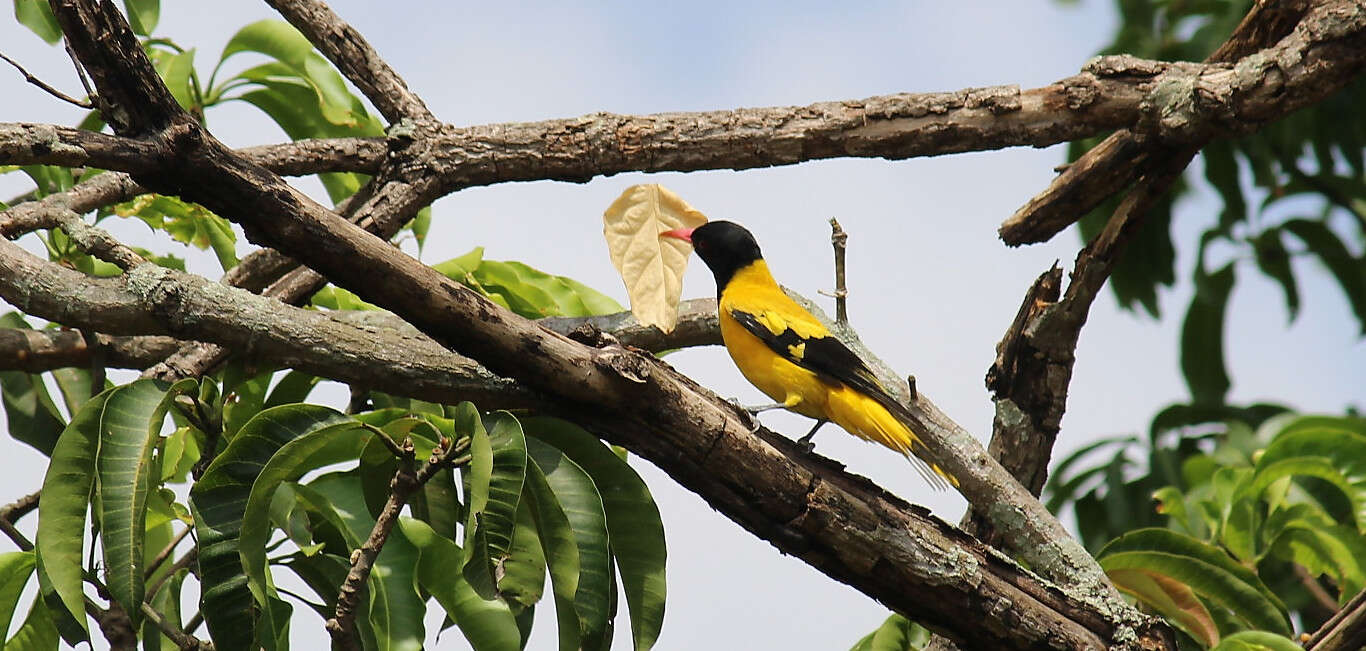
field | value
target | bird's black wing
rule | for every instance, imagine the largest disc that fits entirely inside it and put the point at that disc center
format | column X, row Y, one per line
column 825, row 356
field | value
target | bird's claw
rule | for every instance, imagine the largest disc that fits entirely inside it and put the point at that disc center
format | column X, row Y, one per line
column 749, row 415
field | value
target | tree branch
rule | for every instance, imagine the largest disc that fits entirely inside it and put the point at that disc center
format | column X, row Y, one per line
column 1305, row 43
column 43, row 85
column 347, row 49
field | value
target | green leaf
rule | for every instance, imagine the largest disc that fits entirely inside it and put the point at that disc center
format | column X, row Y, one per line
column 633, row 522
column 523, row 580
column 1206, row 569
column 1318, row 449
column 488, row 624
column 561, row 553
column 582, row 505
column 74, row 385
column 1274, row 261
column 1172, row 599
column 895, row 634
column 1257, row 641
column 1202, row 338
column 293, row 387
column 219, row 501
column 290, row 436
column 37, row 16
column 129, row 431
column 1335, row 550
column 1221, row 170
column 38, row 632
column 143, row 15
column 61, row 513
column 176, row 70
column 1349, row 271
column 15, row 570
column 496, row 518
column 30, row 414
column 281, row 41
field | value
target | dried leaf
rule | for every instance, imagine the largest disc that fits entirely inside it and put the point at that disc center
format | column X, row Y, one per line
column 651, row 266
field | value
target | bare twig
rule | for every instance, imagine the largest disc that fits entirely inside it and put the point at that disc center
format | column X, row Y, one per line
column 406, row 480
column 839, row 239
column 187, row 560
column 43, row 85
column 164, row 554
column 1344, row 631
column 181, row 639
column 19, row 508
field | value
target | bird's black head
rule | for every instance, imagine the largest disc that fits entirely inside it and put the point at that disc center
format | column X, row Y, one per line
column 726, row 247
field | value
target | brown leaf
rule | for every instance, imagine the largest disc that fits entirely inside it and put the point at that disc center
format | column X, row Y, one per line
column 652, row 267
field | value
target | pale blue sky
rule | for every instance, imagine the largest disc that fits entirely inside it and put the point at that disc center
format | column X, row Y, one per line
column 932, row 289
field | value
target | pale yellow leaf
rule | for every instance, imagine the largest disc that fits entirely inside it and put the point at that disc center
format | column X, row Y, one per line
column 652, row 266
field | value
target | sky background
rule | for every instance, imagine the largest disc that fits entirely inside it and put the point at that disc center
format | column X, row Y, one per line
column 932, row 289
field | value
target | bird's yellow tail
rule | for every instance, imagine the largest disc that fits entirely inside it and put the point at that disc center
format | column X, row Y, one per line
column 867, row 419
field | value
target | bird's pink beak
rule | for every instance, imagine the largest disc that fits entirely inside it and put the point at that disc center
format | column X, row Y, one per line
column 684, row 234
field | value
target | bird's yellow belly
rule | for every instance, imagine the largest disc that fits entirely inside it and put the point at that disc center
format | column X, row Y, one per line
column 779, row 379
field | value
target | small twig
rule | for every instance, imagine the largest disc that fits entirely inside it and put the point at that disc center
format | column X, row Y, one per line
column 178, row 636
column 165, row 553
column 20, row 540
column 183, row 562
column 1320, row 595
column 43, row 85
column 194, row 622
column 839, row 239
column 406, row 481
column 403, row 452
column 80, row 74
column 1344, row 630
column 21, row 507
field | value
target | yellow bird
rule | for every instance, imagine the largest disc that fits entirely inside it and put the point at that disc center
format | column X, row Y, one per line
column 789, row 355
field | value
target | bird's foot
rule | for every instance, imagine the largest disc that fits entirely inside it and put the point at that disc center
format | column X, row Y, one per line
column 805, row 442
column 749, row 415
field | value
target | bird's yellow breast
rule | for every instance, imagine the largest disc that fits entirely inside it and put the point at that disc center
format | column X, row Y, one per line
column 753, row 290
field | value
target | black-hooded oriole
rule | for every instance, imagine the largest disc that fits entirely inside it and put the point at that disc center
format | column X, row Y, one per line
column 789, row 355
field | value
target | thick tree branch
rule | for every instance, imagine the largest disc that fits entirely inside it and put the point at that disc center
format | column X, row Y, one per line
column 355, row 58
column 1317, row 49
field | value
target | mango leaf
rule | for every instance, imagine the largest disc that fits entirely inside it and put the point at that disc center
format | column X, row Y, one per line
column 496, row 517
column 523, row 580
column 1334, row 454
column 895, row 634
column 1257, row 641
column 38, row 632
column 1274, row 261
column 488, row 624
column 15, row 570
column 582, row 506
column 61, row 513
column 1171, row 598
column 281, row 41
column 1335, row 550
column 561, row 554
column 1202, row 338
column 536, row 294
column 129, row 432
column 1206, row 569
column 633, row 522
column 296, row 433
column 176, row 70
column 31, row 415
column 37, row 16
column 219, row 501
column 293, row 387
column 652, row 267
column 143, row 15
column 185, row 222
column 1346, row 269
